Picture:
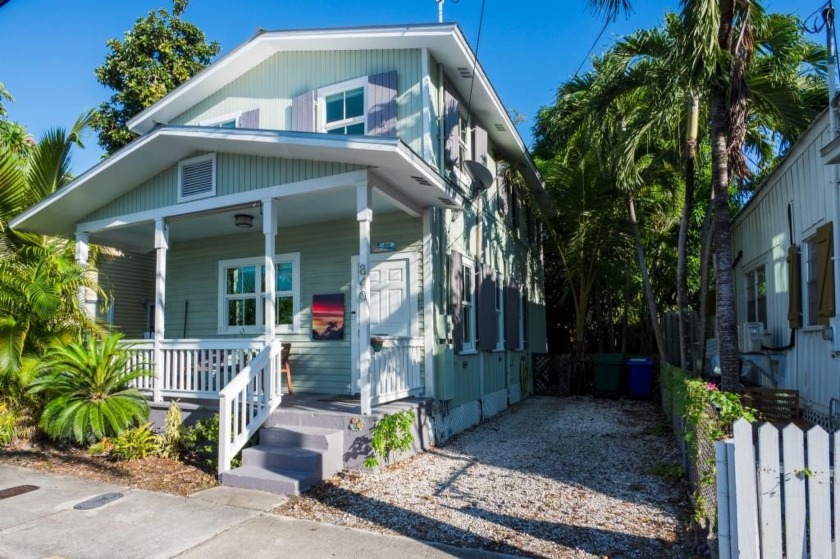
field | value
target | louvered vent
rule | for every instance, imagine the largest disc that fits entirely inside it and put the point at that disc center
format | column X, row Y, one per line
column 500, row 127
column 197, row 178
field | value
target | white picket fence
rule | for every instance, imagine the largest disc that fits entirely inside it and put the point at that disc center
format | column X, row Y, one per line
column 775, row 500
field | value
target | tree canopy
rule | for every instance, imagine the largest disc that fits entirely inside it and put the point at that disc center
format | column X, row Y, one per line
column 158, row 54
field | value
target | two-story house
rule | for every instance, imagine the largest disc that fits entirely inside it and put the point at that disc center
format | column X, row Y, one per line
column 358, row 193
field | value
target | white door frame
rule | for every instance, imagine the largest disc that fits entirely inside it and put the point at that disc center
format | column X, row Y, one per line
column 413, row 290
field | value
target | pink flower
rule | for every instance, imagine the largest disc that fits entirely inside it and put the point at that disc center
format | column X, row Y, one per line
column 711, row 386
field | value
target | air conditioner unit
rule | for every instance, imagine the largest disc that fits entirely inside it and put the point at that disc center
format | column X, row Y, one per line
column 751, row 336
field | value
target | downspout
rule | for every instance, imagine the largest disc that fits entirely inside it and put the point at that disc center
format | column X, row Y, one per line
column 828, row 14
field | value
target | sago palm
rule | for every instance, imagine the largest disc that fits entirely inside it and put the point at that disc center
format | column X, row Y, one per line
column 87, row 386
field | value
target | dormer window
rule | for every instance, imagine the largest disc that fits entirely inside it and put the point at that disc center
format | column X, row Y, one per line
column 239, row 119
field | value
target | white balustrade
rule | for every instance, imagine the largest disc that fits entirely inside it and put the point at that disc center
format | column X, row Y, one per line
column 247, row 401
column 395, row 369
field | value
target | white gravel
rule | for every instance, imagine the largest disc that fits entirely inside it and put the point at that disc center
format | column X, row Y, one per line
column 547, row 478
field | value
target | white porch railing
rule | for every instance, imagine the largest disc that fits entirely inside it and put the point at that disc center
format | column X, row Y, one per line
column 192, row 368
column 395, row 370
column 247, row 401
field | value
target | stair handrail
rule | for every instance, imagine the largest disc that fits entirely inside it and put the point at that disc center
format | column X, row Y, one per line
column 247, row 401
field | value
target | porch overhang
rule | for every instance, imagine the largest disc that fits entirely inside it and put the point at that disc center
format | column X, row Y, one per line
column 388, row 160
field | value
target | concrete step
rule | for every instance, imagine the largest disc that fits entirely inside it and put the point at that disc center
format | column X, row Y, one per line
column 281, row 482
column 279, row 458
column 313, row 438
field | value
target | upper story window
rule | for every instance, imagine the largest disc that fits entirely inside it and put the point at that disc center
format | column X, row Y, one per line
column 500, row 312
column 238, row 119
column 756, row 280
column 343, row 108
column 468, row 306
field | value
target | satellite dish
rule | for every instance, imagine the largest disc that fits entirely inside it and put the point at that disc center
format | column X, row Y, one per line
column 479, row 173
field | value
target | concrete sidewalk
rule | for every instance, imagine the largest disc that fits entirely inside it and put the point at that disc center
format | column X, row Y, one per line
column 220, row 522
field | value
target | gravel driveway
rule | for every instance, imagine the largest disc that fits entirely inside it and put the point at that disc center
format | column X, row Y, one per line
column 549, row 477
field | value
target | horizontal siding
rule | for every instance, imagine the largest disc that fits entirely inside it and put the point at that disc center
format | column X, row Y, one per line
column 234, row 173
column 129, row 283
column 495, row 372
column 761, row 233
column 271, row 86
column 320, row 366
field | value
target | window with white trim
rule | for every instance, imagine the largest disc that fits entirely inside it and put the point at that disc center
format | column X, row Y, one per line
column 242, row 294
column 342, row 108
column 811, row 305
column 500, row 313
column 756, row 291
column 230, row 120
column 468, row 306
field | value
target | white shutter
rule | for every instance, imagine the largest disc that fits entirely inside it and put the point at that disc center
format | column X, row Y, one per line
column 197, row 177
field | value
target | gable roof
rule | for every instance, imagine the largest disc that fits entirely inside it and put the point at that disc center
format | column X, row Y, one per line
column 444, row 41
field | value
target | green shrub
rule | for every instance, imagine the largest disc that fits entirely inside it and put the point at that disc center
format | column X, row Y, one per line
column 8, row 424
column 135, row 443
column 391, row 434
column 200, row 444
column 87, row 389
column 173, row 432
column 104, row 446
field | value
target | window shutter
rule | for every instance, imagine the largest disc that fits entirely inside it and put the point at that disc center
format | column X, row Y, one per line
column 502, row 194
column 480, row 145
column 456, row 297
column 794, row 289
column 452, row 130
column 487, row 323
column 512, row 314
column 525, row 303
column 303, row 112
column 825, row 277
column 382, row 104
column 249, row 119
column 197, row 177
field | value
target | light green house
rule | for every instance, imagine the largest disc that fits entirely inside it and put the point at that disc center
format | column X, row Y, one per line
column 363, row 187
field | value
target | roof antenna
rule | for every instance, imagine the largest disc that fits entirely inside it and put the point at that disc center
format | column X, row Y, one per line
column 440, row 10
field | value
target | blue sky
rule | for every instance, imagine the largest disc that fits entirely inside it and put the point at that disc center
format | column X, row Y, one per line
column 51, row 47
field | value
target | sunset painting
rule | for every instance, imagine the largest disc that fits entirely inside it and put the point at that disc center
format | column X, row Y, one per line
column 328, row 317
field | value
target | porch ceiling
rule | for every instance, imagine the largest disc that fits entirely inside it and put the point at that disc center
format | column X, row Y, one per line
column 389, row 160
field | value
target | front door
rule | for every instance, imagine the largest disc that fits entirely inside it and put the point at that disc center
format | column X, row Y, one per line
column 392, row 278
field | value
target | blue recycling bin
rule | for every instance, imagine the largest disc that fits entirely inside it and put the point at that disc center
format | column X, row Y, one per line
column 640, row 377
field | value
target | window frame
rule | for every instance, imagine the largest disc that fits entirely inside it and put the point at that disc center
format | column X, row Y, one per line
column 259, row 295
column 500, row 313
column 810, row 301
column 522, row 328
column 192, row 160
column 751, row 284
column 321, row 95
column 217, row 121
column 468, row 306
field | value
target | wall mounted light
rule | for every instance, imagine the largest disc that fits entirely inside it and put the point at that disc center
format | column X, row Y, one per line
column 244, row 221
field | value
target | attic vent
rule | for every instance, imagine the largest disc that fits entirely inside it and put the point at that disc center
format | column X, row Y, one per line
column 197, row 177
column 448, row 201
column 422, row 180
column 500, row 127
column 465, row 72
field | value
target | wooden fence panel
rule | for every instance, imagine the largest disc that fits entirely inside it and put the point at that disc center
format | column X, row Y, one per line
column 793, row 456
column 769, row 492
column 819, row 496
column 747, row 517
column 836, row 440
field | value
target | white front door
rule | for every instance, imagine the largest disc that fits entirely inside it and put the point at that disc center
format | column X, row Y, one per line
column 393, row 300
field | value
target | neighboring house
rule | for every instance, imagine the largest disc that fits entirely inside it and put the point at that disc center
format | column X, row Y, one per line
column 324, row 162
column 784, row 247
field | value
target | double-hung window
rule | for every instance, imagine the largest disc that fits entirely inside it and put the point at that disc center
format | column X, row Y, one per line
column 242, row 293
column 500, row 313
column 811, row 283
column 756, row 280
column 468, row 307
column 342, row 108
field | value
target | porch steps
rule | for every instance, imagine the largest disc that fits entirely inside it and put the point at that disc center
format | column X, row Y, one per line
column 289, row 459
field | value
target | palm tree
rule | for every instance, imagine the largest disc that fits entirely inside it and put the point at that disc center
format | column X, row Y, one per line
column 88, row 390
column 731, row 46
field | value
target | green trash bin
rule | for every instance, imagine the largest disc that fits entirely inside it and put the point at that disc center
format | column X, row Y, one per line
column 608, row 374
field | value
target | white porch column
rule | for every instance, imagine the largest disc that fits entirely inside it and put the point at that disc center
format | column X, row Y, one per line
column 428, row 304
column 364, row 216
column 82, row 257
column 161, row 248
column 270, row 231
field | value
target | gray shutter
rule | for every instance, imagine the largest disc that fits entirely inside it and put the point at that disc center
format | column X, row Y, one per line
column 487, row 324
column 480, row 145
column 794, row 290
column 825, row 277
column 382, row 104
column 502, row 192
column 249, row 119
column 456, row 298
column 512, row 315
column 452, row 130
column 303, row 112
